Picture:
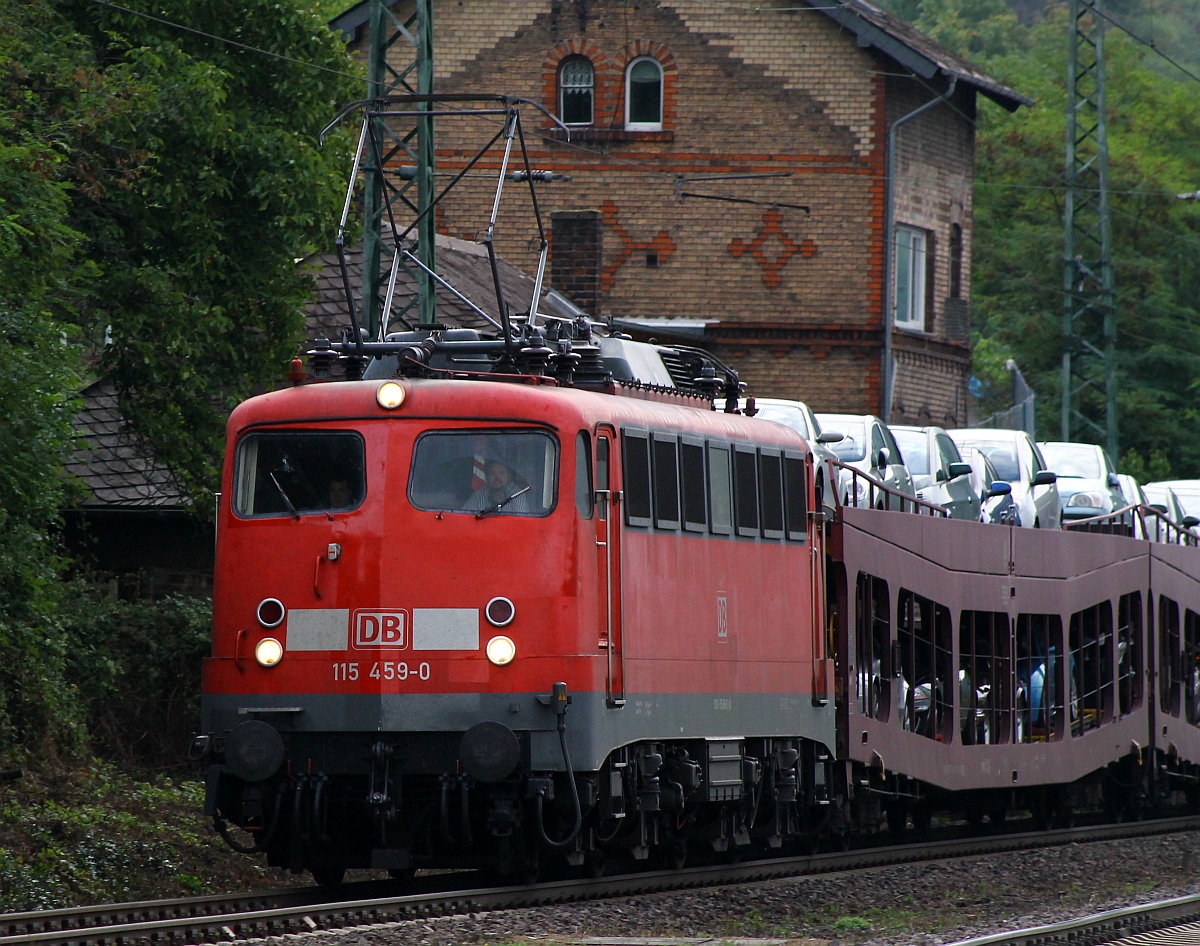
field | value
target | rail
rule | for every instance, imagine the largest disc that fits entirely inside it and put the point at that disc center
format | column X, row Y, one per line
column 226, row 919
column 877, row 495
column 1139, row 521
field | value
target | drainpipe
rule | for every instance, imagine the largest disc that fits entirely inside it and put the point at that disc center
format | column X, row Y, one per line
column 889, row 242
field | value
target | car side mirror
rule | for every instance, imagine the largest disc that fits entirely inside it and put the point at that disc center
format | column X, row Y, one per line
column 882, row 458
column 1113, row 482
column 830, row 436
column 1190, row 522
column 1000, row 488
column 1045, row 478
column 1159, row 507
column 958, row 469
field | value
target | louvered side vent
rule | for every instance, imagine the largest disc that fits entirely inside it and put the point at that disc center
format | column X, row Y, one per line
column 682, row 367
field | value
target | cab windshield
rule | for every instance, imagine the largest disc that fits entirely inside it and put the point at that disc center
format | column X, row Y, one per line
column 503, row 473
column 294, row 473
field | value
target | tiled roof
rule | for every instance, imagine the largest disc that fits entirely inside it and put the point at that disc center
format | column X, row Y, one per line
column 463, row 265
column 112, row 463
column 873, row 28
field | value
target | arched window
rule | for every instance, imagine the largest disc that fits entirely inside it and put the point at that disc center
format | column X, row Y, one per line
column 643, row 95
column 576, row 91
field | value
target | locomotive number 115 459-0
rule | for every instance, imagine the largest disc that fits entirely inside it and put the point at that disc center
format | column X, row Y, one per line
column 380, row 670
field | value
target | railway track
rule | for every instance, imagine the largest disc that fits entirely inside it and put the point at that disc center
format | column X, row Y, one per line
column 1165, row 923
column 228, row 918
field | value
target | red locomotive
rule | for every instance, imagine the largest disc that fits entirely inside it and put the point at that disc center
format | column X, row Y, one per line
column 533, row 595
column 532, row 618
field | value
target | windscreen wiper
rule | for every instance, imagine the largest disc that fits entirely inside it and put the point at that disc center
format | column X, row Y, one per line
column 500, row 505
column 283, row 492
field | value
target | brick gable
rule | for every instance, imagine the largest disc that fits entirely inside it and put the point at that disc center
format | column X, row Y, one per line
column 765, row 112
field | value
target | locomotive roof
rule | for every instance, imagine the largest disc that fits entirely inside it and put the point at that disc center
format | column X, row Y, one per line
column 538, row 402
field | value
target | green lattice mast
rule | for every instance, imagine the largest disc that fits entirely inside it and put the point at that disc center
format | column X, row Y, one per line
column 1089, row 330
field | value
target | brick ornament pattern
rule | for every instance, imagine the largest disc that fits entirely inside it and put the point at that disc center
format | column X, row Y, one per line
column 772, row 228
column 662, row 244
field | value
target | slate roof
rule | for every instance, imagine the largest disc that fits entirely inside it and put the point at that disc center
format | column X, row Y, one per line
column 464, row 265
column 112, row 463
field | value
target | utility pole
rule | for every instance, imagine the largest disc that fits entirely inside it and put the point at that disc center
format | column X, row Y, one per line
column 1089, row 328
column 413, row 38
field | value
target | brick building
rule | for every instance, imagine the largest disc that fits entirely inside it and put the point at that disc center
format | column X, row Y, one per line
column 729, row 171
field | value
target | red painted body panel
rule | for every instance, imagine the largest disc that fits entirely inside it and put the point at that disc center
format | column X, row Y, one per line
column 678, row 638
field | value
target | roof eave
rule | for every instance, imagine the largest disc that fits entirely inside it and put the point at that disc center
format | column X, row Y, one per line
column 869, row 35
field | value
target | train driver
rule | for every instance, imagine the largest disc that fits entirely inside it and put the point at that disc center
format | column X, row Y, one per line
column 341, row 492
column 500, row 489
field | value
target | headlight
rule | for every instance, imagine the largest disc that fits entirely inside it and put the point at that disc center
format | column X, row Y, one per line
column 271, row 612
column 268, row 652
column 500, row 611
column 501, row 650
column 390, row 395
column 1091, row 500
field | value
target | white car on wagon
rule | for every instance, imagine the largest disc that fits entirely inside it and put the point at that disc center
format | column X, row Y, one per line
column 1019, row 463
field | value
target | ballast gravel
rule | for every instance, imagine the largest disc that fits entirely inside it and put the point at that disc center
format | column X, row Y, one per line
column 921, row 905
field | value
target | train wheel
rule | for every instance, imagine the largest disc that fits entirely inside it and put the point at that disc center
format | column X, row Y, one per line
column 676, row 855
column 530, row 869
column 837, row 841
column 329, row 876
column 597, row 864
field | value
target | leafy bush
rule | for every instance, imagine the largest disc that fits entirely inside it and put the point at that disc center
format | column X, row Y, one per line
column 91, row 834
column 135, row 668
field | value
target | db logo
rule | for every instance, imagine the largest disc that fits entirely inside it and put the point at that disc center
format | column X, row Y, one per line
column 379, row 629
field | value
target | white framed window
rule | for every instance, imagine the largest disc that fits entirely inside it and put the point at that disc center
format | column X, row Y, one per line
column 643, row 95
column 576, row 91
column 908, row 301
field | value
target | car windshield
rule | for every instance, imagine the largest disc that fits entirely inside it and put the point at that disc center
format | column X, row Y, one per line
column 788, row 416
column 1158, row 496
column 912, row 446
column 1190, row 501
column 853, row 446
column 1003, row 456
column 1074, row 460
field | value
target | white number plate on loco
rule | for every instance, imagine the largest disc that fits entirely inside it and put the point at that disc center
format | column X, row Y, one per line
column 396, row 670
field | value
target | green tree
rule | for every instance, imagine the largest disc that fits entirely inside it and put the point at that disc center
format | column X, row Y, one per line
column 156, row 185
column 196, row 180
column 36, row 388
